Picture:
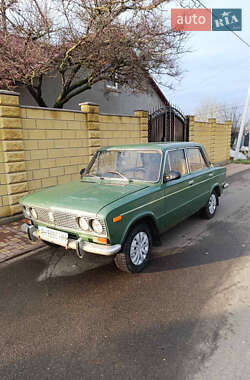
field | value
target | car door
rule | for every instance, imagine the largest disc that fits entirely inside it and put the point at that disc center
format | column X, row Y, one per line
column 201, row 177
column 177, row 193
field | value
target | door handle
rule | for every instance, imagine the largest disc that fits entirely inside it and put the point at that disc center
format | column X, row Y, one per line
column 191, row 182
column 210, row 174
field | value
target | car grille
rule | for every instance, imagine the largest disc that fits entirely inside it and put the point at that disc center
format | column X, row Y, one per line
column 64, row 220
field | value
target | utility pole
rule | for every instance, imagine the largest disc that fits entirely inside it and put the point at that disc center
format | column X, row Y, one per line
column 248, row 154
column 243, row 121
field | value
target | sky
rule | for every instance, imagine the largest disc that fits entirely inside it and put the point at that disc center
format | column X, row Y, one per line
column 218, row 66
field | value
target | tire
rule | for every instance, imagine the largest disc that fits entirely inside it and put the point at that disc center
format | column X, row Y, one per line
column 133, row 259
column 209, row 210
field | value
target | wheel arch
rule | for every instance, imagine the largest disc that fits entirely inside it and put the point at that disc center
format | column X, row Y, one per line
column 216, row 188
column 150, row 221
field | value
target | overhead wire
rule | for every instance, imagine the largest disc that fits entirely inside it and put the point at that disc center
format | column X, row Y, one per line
column 232, row 31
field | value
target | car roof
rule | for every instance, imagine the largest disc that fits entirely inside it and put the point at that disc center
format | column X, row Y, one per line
column 154, row 146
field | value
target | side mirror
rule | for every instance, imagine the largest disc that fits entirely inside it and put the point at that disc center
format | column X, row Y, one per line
column 172, row 175
column 82, row 171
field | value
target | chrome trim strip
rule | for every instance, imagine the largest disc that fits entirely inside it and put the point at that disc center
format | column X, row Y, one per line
column 187, row 161
column 106, row 250
column 77, row 213
column 168, row 195
column 176, row 208
column 201, row 195
column 98, row 249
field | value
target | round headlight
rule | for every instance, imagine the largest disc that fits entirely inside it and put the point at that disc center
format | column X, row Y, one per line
column 83, row 224
column 33, row 213
column 97, row 226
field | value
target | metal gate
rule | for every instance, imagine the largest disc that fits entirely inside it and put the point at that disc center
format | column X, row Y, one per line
column 167, row 124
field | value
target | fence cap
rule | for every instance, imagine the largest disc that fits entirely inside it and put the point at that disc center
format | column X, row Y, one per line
column 7, row 92
column 89, row 104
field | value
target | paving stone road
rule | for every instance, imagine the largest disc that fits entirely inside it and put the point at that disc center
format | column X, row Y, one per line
column 14, row 242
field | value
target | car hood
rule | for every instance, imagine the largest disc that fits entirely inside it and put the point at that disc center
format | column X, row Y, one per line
column 81, row 195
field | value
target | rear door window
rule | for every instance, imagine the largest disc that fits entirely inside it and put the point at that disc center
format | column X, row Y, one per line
column 196, row 160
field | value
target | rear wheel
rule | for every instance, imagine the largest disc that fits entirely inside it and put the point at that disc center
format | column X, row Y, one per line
column 209, row 210
column 136, row 250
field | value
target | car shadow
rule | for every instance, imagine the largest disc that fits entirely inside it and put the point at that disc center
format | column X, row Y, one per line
column 220, row 241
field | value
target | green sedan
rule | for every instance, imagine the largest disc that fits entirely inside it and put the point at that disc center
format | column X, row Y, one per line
column 125, row 199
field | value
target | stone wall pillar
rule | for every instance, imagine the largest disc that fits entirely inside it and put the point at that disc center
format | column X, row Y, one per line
column 13, row 180
column 216, row 137
column 143, row 125
column 212, row 142
column 228, row 125
column 191, row 128
column 93, row 126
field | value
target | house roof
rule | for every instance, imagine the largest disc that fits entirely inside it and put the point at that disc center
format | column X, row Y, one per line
column 158, row 91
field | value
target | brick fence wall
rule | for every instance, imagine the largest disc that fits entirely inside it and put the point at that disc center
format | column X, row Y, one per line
column 216, row 137
column 41, row 147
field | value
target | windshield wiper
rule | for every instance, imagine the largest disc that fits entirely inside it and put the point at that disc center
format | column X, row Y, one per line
column 118, row 173
column 91, row 175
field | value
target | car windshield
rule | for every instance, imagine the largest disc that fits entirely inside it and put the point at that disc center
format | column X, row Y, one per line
column 141, row 165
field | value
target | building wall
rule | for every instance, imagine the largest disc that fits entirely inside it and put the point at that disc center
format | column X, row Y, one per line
column 216, row 137
column 121, row 102
column 42, row 147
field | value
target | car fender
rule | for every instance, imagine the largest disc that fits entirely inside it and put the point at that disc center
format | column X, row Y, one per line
column 216, row 186
column 139, row 218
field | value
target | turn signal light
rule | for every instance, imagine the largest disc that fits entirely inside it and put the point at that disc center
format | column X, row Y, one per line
column 100, row 240
column 117, row 219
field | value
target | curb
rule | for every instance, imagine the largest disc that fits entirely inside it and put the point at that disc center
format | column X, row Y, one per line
column 234, row 176
column 23, row 255
column 10, row 219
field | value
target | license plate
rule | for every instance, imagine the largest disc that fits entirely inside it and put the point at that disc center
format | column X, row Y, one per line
column 53, row 236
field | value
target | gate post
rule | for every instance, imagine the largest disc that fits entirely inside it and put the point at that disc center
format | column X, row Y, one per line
column 143, row 125
column 13, row 173
column 93, row 125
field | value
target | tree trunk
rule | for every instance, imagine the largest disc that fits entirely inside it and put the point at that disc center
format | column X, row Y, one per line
column 38, row 98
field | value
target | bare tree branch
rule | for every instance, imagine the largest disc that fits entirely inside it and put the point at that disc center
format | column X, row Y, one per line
column 84, row 42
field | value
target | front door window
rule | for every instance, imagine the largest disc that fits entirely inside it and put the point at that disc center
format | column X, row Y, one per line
column 176, row 161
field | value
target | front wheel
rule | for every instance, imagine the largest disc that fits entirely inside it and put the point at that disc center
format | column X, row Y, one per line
column 136, row 250
column 209, row 210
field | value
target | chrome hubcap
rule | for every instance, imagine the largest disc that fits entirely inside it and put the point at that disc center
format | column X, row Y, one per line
column 139, row 248
column 212, row 204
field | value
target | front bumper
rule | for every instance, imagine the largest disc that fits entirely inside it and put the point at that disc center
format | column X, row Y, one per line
column 79, row 245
